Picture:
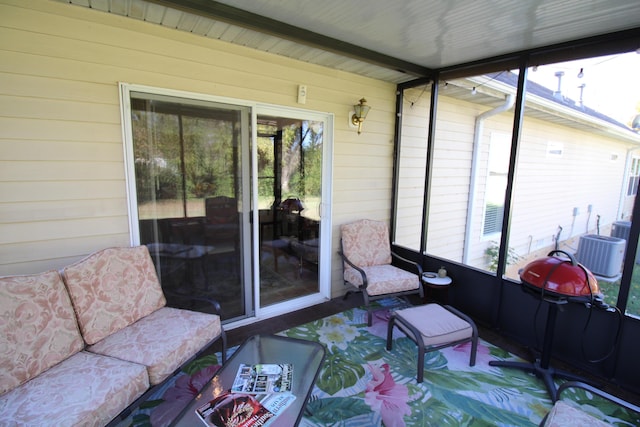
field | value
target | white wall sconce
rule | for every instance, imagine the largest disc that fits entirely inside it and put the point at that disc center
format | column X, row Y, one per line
column 360, row 113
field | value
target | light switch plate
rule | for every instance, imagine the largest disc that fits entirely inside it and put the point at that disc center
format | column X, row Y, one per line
column 302, row 94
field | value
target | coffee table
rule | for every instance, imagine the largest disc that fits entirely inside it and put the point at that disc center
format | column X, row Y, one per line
column 305, row 356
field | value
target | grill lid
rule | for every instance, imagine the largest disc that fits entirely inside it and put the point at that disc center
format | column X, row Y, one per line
column 560, row 277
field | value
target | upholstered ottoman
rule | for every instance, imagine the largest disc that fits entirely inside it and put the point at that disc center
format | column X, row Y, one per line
column 432, row 327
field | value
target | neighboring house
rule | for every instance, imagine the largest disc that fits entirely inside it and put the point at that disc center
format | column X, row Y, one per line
column 566, row 139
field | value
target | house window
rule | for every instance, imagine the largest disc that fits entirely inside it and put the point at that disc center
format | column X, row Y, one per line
column 634, row 177
column 496, row 186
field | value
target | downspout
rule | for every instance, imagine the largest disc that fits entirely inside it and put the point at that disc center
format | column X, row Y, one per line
column 477, row 135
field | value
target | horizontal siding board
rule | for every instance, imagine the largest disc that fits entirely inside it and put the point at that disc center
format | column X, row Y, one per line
column 14, row 192
column 358, row 196
column 53, row 109
column 44, row 255
column 78, row 227
column 60, row 150
column 361, row 170
column 30, row 86
column 58, row 130
column 352, row 153
column 55, row 210
column 36, row 171
column 359, row 190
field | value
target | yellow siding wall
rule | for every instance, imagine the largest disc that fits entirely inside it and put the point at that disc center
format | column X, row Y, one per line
column 412, row 169
column 62, row 181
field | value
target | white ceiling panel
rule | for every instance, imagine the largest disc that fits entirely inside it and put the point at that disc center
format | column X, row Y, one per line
column 427, row 34
column 436, row 33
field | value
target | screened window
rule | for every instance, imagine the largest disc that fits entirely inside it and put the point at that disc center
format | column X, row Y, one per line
column 469, row 168
column 570, row 192
column 412, row 162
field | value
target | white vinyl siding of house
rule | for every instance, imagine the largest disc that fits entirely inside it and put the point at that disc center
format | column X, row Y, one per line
column 450, row 177
column 571, row 182
column 570, row 178
column 62, row 172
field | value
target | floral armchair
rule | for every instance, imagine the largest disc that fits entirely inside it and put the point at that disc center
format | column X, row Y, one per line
column 572, row 413
column 367, row 262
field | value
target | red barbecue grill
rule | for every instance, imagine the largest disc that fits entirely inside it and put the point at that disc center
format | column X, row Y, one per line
column 560, row 278
column 556, row 280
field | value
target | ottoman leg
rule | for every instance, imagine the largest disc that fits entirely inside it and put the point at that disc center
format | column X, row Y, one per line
column 414, row 335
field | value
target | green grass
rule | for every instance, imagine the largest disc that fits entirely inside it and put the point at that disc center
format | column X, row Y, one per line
column 610, row 291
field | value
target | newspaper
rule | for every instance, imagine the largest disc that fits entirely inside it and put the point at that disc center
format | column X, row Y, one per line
column 263, row 378
column 244, row 410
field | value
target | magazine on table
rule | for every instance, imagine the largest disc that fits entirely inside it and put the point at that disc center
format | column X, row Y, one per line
column 244, row 410
column 263, row 378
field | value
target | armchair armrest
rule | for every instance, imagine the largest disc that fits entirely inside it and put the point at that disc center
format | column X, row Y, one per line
column 355, row 267
column 413, row 264
column 215, row 305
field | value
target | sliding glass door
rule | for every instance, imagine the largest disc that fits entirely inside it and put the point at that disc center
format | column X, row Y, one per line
column 227, row 197
column 289, row 179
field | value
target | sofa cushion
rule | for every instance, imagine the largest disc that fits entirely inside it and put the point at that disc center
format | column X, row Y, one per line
column 162, row 341
column 38, row 327
column 111, row 289
column 86, row 389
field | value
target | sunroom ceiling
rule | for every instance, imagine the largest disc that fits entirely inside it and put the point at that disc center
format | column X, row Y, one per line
column 394, row 41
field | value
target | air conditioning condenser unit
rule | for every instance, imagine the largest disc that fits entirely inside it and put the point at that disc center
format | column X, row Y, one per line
column 602, row 255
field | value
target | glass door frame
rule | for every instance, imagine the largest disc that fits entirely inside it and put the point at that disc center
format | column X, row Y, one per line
column 324, row 255
column 250, row 242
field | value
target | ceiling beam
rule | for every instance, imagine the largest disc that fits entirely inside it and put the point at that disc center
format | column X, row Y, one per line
column 233, row 15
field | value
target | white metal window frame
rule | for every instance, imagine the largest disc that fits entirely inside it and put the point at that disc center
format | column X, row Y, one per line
column 634, row 176
column 497, row 164
column 257, row 108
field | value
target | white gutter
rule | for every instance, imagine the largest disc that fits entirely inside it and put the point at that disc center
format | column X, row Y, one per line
column 477, row 135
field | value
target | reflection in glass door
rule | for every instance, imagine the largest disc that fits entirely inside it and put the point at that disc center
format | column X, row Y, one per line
column 187, row 158
column 196, row 169
column 289, row 194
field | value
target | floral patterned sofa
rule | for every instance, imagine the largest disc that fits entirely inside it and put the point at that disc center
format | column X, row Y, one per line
column 79, row 346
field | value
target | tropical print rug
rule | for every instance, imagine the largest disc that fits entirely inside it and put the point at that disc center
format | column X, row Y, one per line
column 362, row 384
